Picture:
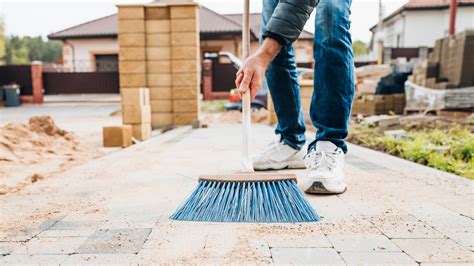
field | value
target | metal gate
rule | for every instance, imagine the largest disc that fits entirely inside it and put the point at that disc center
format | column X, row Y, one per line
column 81, row 82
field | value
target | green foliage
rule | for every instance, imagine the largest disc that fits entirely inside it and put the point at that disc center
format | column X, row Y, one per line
column 23, row 50
column 2, row 42
column 359, row 48
column 448, row 150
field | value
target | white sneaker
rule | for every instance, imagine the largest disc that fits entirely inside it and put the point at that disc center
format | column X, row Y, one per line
column 278, row 155
column 325, row 169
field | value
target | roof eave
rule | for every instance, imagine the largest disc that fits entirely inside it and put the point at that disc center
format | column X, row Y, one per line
column 83, row 36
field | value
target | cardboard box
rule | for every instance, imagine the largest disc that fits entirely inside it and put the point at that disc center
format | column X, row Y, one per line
column 132, row 67
column 117, row 136
column 185, row 106
column 161, row 93
column 158, row 66
column 132, row 114
column 161, row 119
column 131, row 26
column 185, row 92
column 132, row 80
column 135, row 96
column 132, row 53
column 157, row 12
column 131, row 39
column 184, row 118
column 161, row 106
column 184, row 25
column 131, row 12
column 184, row 11
column 185, row 52
column 163, row 80
column 158, row 53
column 158, row 39
column 185, row 38
column 185, row 66
column 141, row 131
column 157, row 26
column 185, row 79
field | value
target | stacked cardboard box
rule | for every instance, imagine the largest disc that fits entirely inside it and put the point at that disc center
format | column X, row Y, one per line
column 185, row 64
column 367, row 78
column 378, row 104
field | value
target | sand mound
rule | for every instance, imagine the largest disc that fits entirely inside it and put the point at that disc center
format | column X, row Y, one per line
column 30, row 152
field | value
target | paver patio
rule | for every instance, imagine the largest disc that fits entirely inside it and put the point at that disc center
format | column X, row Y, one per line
column 115, row 210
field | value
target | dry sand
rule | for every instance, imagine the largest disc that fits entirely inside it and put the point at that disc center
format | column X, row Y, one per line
column 34, row 151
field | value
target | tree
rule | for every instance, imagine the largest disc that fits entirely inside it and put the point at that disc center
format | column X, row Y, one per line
column 359, row 48
column 23, row 50
column 2, row 42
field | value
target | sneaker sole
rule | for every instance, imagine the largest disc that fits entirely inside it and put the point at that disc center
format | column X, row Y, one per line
column 291, row 165
column 318, row 188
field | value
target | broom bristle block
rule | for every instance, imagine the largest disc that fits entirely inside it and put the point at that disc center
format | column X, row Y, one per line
column 248, row 177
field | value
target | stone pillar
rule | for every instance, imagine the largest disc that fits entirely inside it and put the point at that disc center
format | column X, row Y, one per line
column 37, row 81
column 185, row 64
column 207, row 79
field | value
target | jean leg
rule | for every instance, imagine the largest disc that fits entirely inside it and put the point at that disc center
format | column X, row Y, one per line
column 333, row 72
column 282, row 79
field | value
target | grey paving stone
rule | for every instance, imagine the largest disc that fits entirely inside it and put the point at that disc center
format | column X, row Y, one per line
column 7, row 248
column 75, row 225
column 50, row 245
column 33, row 259
column 434, row 250
column 463, row 235
column 313, row 256
column 401, row 228
column 102, row 259
column 65, row 232
column 383, row 257
column 362, row 243
column 446, row 264
column 115, row 241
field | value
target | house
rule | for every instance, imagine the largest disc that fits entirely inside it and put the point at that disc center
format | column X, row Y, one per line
column 419, row 23
column 93, row 46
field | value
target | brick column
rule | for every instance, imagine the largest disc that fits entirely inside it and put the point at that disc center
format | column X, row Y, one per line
column 37, row 81
column 207, row 79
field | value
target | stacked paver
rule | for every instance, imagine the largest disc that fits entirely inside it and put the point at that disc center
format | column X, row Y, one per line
column 159, row 50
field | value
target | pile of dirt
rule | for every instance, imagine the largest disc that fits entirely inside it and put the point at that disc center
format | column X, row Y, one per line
column 234, row 117
column 33, row 151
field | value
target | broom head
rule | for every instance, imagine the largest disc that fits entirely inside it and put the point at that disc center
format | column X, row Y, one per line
column 247, row 197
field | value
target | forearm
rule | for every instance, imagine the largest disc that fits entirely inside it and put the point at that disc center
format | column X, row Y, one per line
column 268, row 50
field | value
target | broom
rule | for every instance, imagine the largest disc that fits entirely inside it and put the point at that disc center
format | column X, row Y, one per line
column 246, row 196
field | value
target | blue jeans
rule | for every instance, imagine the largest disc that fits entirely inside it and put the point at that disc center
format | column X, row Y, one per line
column 333, row 78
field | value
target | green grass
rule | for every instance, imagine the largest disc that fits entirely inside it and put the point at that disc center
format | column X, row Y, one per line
column 450, row 150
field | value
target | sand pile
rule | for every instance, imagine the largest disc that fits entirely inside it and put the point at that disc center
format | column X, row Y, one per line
column 31, row 152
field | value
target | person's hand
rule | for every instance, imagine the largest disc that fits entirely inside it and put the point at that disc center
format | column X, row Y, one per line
column 252, row 72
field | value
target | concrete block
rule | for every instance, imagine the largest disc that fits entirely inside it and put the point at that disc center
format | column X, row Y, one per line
column 131, row 12
column 117, row 136
column 161, row 119
column 379, row 258
column 157, row 26
column 306, row 256
column 158, row 53
column 185, row 79
column 130, row 67
column 161, row 93
column 33, row 259
column 132, row 53
column 135, row 96
column 159, row 79
column 51, row 245
column 132, row 80
column 184, row 25
column 131, row 39
column 189, row 11
column 184, row 118
column 434, row 250
column 101, row 259
column 111, row 241
column 190, row 92
column 184, row 38
column 362, row 243
column 161, row 106
column 158, row 66
column 185, row 52
column 158, row 39
column 136, row 114
column 157, row 12
column 141, row 131
column 185, row 106
column 186, row 66
column 131, row 26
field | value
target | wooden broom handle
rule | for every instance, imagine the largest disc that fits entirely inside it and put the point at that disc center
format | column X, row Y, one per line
column 246, row 119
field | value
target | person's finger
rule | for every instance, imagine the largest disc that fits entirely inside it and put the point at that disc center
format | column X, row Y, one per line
column 238, row 80
column 246, row 80
column 239, row 72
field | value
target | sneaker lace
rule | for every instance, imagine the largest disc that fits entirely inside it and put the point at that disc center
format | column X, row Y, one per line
column 320, row 159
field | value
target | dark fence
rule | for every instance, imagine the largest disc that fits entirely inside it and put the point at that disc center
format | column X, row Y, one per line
column 223, row 77
column 404, row 52
column 19, row 74
column 85, row 82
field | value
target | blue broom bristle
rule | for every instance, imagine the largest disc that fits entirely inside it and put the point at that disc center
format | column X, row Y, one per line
column 253, row 201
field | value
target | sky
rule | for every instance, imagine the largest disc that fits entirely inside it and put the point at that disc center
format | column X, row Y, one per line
column 40, row 17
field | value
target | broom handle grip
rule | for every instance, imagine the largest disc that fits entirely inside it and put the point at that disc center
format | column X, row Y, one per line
column 246, row 119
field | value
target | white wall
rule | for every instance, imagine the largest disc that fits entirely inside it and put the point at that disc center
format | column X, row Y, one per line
column 424, row 27
column 82, row 52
